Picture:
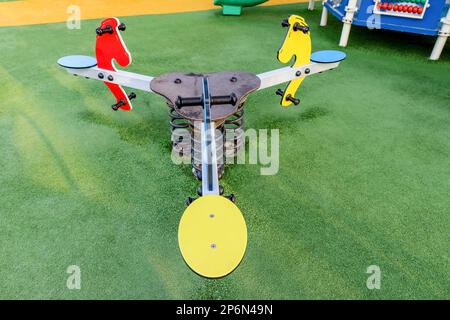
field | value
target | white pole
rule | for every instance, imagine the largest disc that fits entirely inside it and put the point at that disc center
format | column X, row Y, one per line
column 324, row 17
column 345, row 34
column 347, row 20
column 311, row 5
column 443, row 34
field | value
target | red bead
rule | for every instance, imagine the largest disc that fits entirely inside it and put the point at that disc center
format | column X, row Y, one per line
column 385, row 5
column 379, row 5
column 400, row 8
column 415, row 9
column 420, row 10
column 390, row 6
column 410, row 9
column 396, row 7
column 405, row 8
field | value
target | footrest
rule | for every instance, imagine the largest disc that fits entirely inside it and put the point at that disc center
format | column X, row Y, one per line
column 77, row 62
column 212, row 236
column 328, row 56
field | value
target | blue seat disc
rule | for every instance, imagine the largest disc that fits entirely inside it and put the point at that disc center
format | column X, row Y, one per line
column 77, row 62
column 328, row 56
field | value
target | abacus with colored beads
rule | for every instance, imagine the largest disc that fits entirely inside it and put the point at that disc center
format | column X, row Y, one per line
column 408, row 9
column 424, row 17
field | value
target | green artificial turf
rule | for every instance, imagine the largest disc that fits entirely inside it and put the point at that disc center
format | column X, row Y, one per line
column 363, row 180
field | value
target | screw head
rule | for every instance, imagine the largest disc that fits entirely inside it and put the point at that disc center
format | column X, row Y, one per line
column 298, row 73
column 213, row 246
column 110, row 78
column 307, row 71
column 233, row 79
column 212, row 215
column 177, row 81
column 101, row 75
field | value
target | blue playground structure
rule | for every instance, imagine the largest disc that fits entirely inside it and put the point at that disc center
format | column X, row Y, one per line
column 426, row 17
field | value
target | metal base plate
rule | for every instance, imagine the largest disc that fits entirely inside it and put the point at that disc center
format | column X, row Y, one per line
column 172, row 85
column 212, row 236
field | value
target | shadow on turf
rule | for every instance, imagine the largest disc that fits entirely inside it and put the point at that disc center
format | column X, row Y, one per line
column 283, row 120
column 55, row 155
column 139, row 132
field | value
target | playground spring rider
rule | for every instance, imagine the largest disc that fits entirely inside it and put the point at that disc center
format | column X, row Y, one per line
column 212, row 234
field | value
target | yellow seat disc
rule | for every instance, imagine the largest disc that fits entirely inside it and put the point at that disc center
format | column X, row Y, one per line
column 212, row 236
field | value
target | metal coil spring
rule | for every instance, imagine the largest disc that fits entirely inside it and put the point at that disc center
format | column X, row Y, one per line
column 180, row 135
column 186, row 139
column 234, row 134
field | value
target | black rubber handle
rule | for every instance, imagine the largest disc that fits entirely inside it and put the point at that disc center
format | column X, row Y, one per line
column 290, row 98
column 117, row 105
column 122, row 102
column 297, row 26
column 198, row 101
column 189, row 102
column 231, row 99
column 101, row 31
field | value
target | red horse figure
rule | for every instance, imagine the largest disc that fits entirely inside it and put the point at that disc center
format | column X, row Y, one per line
column 110, row 46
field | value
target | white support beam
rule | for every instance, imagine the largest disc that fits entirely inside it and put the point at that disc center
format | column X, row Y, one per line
column 324, row 16
column 275, row 77
column 347, row 20
column 142, row 82
column 444, row 33
column 311, row 5
column 123, row 78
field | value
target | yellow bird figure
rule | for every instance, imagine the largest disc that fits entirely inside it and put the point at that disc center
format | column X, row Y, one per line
column 297, row 43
